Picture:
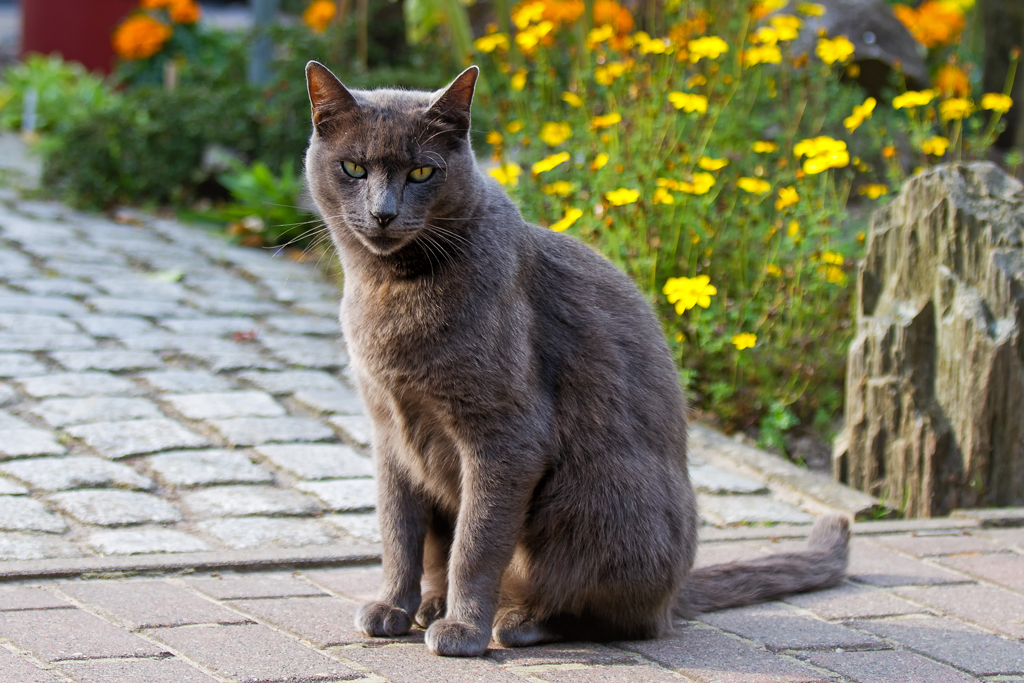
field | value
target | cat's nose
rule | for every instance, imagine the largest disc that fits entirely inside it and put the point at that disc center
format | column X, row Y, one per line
column 384, row 216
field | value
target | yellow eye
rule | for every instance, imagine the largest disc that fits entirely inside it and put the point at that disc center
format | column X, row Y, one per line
column 354, row 170
column 421, row 174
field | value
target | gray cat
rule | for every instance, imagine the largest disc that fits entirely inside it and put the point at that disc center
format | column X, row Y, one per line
column 529, row 428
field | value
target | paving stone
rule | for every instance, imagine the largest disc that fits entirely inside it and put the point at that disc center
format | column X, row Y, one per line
column 345, row 402
column 148, row 308
column 235, row 307
column 993, row 608
column 213, row 325
column 951, row 641
column 75, row 269
column 20, row 365
column 114, row 325
column 878, row 566
column 290, row 381
column 708, row 655
column 141, row 287
column 306, row 351
column 18, row 669
column 33, row 303
column 57, row 286
column 263, row 585
column 324, row 621
column 169, row 341
column 219, row 406
column 61, row 474
column 343, row 495
column 8, row 421
column 243, row 359
column 413, row 663
column 926, row 544
column 119, row 439
column 10, row 488
column 108, row 507
column 56, row 634
column 60, row 412
column 358, row 583
column 7, row 394
column 779, row 628
column 19, row 546
column 47, row 211
column 560, row 653
column 13, row 264
column 318, row 461
column 251, row 431
column 167, row 670
column 609, row 674
column 360, row 526
column 203, row 468
column 145, row 540
column 78, row 384
column 851, row 601
column 44, row 342
column 1010, row 538
column 16, row 443
column 33, row 323
column 1006, row 569
column 358, row 428
column 113, row 360
column 304, row 324
column 240, row 501
column 222, row 285
column 709, row 479
column 149, row 604
column 252, row 652
column 725, row 510
column 29, row 598
column 260, row 532
column 327, row 309
column 889, row 667
column 186, row 381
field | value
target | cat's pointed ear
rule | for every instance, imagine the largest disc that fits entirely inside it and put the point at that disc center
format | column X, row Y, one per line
column 327, row 96
column 454, row 103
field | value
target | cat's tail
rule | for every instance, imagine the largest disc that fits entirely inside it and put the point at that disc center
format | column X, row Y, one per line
column 821, row 565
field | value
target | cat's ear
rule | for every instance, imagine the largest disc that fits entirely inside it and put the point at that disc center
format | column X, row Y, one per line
column 454, row 103
column 327, row 96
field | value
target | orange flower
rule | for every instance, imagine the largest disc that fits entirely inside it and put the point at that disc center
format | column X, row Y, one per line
column 184, row 11
column 611, row 13
column 563, row 11
column 319, row 14
column 951, row 81
column 139, row 37
column 934, row 23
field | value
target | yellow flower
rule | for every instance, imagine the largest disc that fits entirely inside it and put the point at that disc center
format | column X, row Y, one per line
column 764, row 147
column 793, row 229
column 832, row 258
column 495, row 41
column 935, row 145
column 822, row 153
column 494, row 138
column 706, row 46
column 599, row 35
column 888, row 151
column 996, row 102
column 524, row 15
column 913, row 98
column 667, row 182
column 773, row 270
column 686, row 292
column 319, row 14
column 786, row 26
column 766, row 35
column 688, row 102
column 599, row 161
column 787, row 197
column 753, row 185
column 622, row 196
column 514, row 126
column 519, row 80
column 646, row 45
column 744, row 340
column 527, row 40
column 765, row 54
column 548, row 163
column 607, row 73
column 139, row 37
column 695, row 80
column 763, row 8
column 709, row 164
column 507, row 174
column 606, row 121
column 874, row 190
column 702, row 184
column 860, row 114
column 570, row 217
column 823, row 162
column 663, row 196
column 834, row 50
column 559, row 188
column 955, row 108
column 572, row 99
column 554, row 133
column 811, row 9
column 832, row 270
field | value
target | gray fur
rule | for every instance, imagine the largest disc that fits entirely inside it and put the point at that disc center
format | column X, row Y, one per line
column 529, row 428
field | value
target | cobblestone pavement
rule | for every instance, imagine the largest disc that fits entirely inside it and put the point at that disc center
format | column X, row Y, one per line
column 163, row 391
column 932, row 605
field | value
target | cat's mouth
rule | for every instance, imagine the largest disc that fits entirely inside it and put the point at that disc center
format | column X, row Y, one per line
column 382, row 245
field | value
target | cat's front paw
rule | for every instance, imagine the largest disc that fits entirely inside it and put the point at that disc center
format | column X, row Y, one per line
column 451, row 638
column 431, row 609
column 381, row 619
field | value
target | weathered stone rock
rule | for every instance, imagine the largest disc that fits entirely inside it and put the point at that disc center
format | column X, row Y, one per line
column 935, row 378
column 207, row 467
column 115, row 508
column 61, row 474
column 152, row 539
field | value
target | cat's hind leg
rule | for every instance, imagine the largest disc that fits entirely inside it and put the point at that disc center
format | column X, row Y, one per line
column 435, row 570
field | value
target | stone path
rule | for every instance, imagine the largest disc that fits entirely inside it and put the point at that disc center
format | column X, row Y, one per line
column 163, row 391
column 941, row 603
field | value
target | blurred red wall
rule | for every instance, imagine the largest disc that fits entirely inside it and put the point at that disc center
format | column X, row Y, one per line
column 78, row 29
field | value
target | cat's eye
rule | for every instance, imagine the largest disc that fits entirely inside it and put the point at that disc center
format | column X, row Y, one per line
column 353, row 170
column 421, row 174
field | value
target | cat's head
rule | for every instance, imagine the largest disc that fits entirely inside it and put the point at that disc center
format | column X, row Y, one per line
column 382, row 163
